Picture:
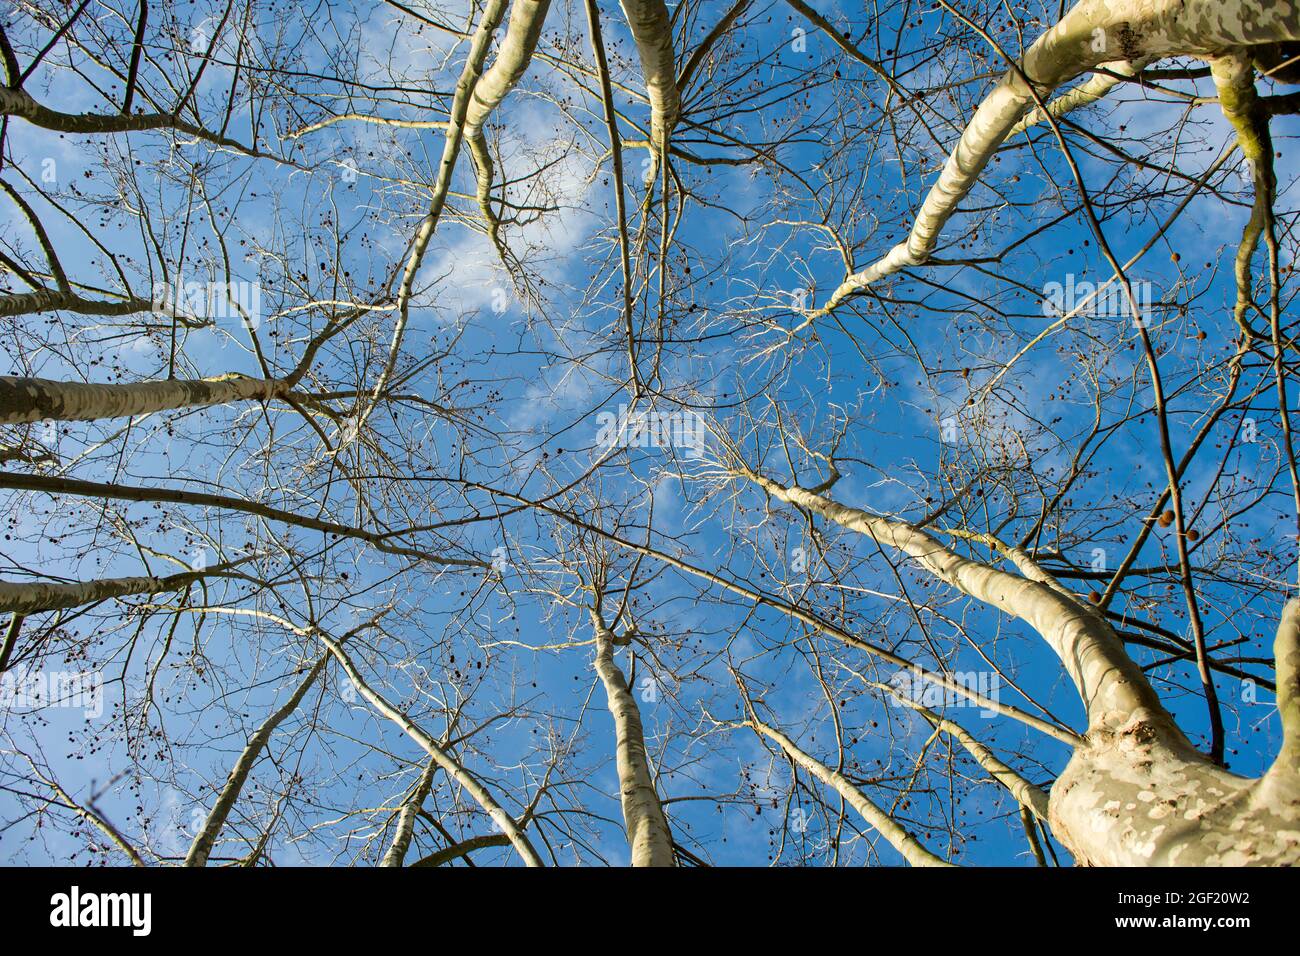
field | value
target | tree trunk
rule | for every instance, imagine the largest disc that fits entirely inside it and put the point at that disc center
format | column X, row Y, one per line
column 441, row 757
column 406, row 820
column 36, row 596
column 522, row 32
column 1136, row 792
column 40, row 399
column 643, row 814
column 911, row 849
column 653, row 32
column 1092, row 33
column 216, row 819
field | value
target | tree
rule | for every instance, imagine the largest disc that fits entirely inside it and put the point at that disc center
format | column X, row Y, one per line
column 791, row 434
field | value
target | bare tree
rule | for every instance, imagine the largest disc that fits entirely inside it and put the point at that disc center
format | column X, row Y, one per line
column 461, row 432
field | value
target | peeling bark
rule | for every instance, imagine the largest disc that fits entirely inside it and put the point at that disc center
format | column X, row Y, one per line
column 1136, row 792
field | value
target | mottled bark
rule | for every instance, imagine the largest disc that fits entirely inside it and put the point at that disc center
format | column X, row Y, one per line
column 1137, row 796
column 1234, row 80
column 1136, row 792
column 1132, row 798
column 643, row 815
column 216, row 819
column 1286, row 653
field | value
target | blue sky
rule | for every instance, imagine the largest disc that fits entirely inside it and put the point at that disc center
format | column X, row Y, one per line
column 536, row 379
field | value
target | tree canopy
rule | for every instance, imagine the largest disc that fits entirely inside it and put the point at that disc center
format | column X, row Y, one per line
column 560, row 432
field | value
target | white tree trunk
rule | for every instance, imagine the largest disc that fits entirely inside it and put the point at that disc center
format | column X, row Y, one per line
column 50, row 300
column 441, row 757
column 406, row 820
column 1136, row 792
column 216, row 819
column 36, row 596
column 480, row 42
column 1085, row 94
column 522, row 33
column 1027, row 795
column 1093, row 32
column 643, row 814
column 653, row 32
column 902, row 841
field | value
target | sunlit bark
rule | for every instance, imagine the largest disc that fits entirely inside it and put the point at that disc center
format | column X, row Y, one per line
column 36, row 399
column 1136, row 792
column 35, row 596
column 522, row 32
column 652, row 30
column 206, row 838
column 406, row 819
column 19, row 103
column 401, row 446
column 461, row 104
column 643, row 814
column 440, row 756
column 907, row 845
column 1090, row 34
